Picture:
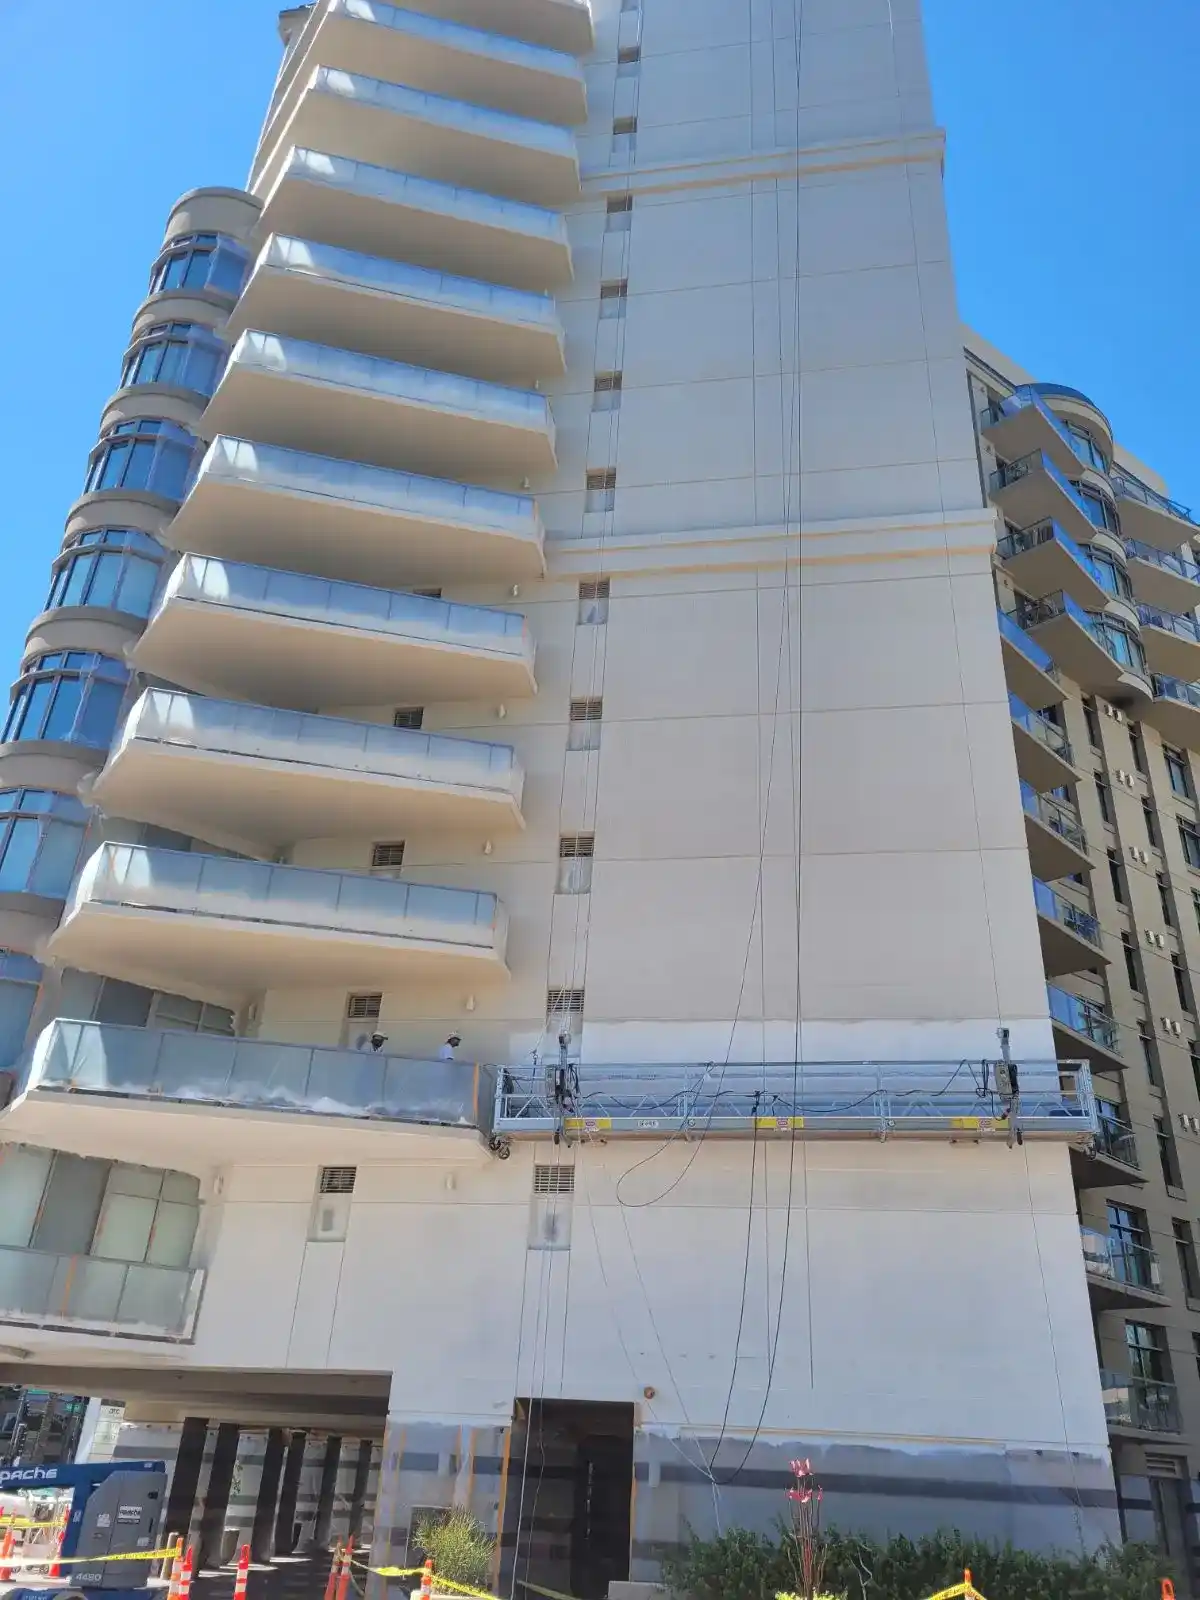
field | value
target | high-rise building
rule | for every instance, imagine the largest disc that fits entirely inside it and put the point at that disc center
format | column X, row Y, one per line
column 514, row 873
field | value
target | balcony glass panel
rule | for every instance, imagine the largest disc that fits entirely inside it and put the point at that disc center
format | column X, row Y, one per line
column 497, row 47
column 1171, row 622
column 1134, row 489
column 1084, row 1016
column 38, row 1287
column 1121, row 1260
column 1012, row 471
column 1014, row 634
column 1187, row 694
column 1020, row 400
column 1169, row 560
column 1110, row 633
column 1040, row 728
column 1018, row 540
column 1115, row 1139
column 1053, row 814
column 1140, row 1403
column 1063, row 912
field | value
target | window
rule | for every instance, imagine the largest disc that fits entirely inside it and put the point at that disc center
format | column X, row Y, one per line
column 20, row 977
column 177, row 1012
column 613, row 296
column 1138, row 747
column 117, row 568
column 606, row 391
column 1189, row 838
column 575, row 851
column 1177, row 772
column 1109, row 573
column 593, row 602
column 1119, row 640
column 1196, row 904
column 1100, row 510
column 618, row 216
column 1150, row 1055
column 1164, row 899
column 182, row 354
column 41, row 836
column 408, row 716
column 584, row 730
column 68, row 696
column 1131, row 963
column 1194, row 1055
column 1151, row 821
column 1182, row 987
column 1185, row 1251
column 78, row 1205
column 1104, row 797
column 601, row 490
column 387, row 858
column 1088, row 451
column 1167, row 1158
column 1147, row 1352
column 200, row 261
column 1115, row 873
column 1092, row 722
column 148, row 454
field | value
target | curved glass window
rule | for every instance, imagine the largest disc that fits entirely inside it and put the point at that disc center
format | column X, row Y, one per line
column 117, row 568
column 201, row 261
column 70, row 696
column 20, row 977
column 147, row 453
column 184, row 354
column 1100, row 509
column 1109, row 573
column 1086, row 448
column 1120, row 643
column 41, row 835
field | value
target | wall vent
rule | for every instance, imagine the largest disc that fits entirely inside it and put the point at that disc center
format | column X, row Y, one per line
column 564, row 1002
column 553, row 1180
column 1161, row 1466
column 338, row 1180
column 364, row 1007
column 387, row 856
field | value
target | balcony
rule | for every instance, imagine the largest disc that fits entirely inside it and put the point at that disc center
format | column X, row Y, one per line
column 1070, row 937
column 389, row 213
column 331, row 296
column 143, row 1095
column 1024, row 425
column 1028, row 668
column 219, row 929
column 1153, row 518
column 1033, row 490
column 340, row 519
column 1082, row 1028
column 1162, row 577
column 314, row 397
column 1120, row 1272
column 1171, row 643
column 265, row 778
column 1175, row 711
column 444, row 57
column 1043, row 559
column 1044, row 755
column 1057, row 842
column 281, row 638
column 1139, row 1405
column 427, row 135
column 1098, row 652
column 86, row 1294
column 1079, row 409
column 1112, row 1159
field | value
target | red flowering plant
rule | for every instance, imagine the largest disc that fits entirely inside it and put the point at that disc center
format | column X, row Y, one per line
column 808, row 1546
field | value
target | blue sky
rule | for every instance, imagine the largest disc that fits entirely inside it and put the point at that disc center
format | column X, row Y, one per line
column 1071, row 179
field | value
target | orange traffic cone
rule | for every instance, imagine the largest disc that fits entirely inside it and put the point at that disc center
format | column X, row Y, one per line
column 6, row 1550
column 427, row 1580
column 185, row 1573
column 243, row 1573
column 335, row 1571
column 343, row 1585
column 55, row 1568
column 1168, row 1589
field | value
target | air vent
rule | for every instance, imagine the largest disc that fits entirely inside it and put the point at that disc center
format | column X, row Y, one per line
column 620, row 202
column 599, row 481
column 554, row 1180
column 388, row 855
column 364, row 1007
column 564, row 1002
column 1161, row 1466
column 615, row 290
column 338, row 1180
column 408, row 716
column 587, row 710
column 623, row 126
column 594, row 589
column 427, row 594
column 577, row 844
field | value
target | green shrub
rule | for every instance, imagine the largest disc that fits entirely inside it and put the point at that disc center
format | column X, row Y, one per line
column 461, row 1547
column 741, row 1565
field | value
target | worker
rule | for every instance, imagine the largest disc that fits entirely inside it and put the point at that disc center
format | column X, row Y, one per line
column 446, row 1053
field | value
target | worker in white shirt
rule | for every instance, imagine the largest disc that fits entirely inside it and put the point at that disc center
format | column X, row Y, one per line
column 446, row 1053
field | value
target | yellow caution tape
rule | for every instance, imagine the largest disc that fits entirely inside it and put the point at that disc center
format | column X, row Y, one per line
column 553, row 1594
column 439, row 1583
column 49, row 1559
column 959, row 1591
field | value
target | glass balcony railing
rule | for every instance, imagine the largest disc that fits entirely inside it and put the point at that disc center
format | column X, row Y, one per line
column 1112, row 635
column 1121, row 1260
column 1187, row 694
column 226, row 727
column 225, row 888
column 389, row 380
column 264, row 590
column 1054, row 814
column 1024, row 399
column 1065, row 914
column 1014, row 634
column 1041, row 728
column 1168, row 560
column 1171, row 622
column 1022, row 539
column 1011, row 472
column 1130, row 488
column 1115, row 1139
column 40, row 1289
column 1140, row 1403
column 198, row 1068
column 1083, row 1016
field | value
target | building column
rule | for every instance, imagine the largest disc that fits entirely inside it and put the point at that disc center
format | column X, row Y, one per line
column 262, row 1532
column 185, row 1479
column 286, row 1536
column 323, row 1523
column 243, row 1494
column 358, row 1494
column 215, row 1503
column 384, row 1531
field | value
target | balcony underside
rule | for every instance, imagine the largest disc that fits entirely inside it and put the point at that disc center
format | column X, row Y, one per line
column 1038, row 764
column 1177, row 721
column 1154, row 524
column 1026, row 430
column 259, row 805
column 1092, row 1169
column 557, row 24
column 1051, row 855
column 1073, row 1046
column 1171, row 653
column 380, row 212
column 1050, row 567
column 1027, row 680
column 1037, row 497
column 1111, row 1294
column 398, row 326
column 1078, row 653
column 334, row 419
column 1064, row 951
column 1159, row 586
column 283, row 661
column 225, row 959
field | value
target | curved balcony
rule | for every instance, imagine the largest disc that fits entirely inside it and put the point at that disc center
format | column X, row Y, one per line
column 147, row 1096
column 443, row 57
column 1032, row 490
column 1028, row 668
column 269, row 777
column 1084, row 1029
column 1171, row 642
column 438, row 225
column 290, row 640
column 342, row 519
column 1162, row 577
column 1044, row 755
column 1024, row 425
column 361, row 408
column 331, row 296
column 1120, row 1272
column 1175, row 711
column 428, row 135
column 1153, row 518
column 1095, row 651
column 1070, row 937
column 1139, row 1405
column 88, row 1294
column 1073, row 406
column 1112, row 1159
column 1056, row 840
column 1044, row 558
column 217, row 928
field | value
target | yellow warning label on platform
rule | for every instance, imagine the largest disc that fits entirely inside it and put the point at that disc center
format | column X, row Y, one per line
column 587, row 1124
column 778, row 1124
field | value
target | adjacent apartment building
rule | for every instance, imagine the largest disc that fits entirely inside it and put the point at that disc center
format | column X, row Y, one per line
column 527, row 897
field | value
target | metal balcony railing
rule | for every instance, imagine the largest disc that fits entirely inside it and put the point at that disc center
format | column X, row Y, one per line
column 42, row 1289
column 1121, row 1260
column 1168, row 560
column 1041, row 728
column 1054, row 814
column 1013, row 632
column 1115, row 1139
column 1067, row 915
column 1130, row 488
column 1083, row 1016
column 1141, row 1403
column 1171, row 622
